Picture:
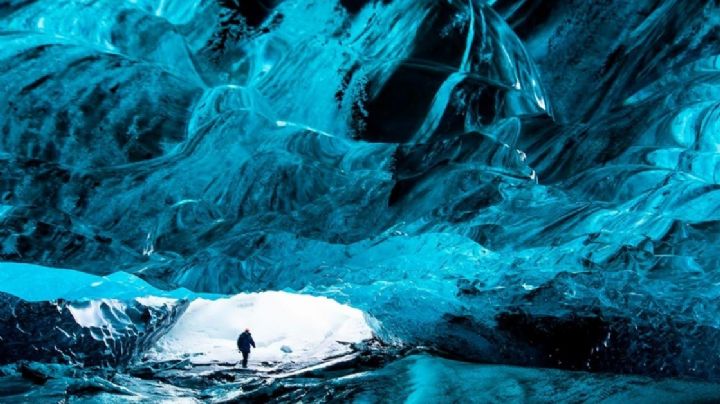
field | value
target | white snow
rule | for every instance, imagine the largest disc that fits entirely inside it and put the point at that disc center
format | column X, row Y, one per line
column 91, row 313
column 155, row 301
column 310, row 326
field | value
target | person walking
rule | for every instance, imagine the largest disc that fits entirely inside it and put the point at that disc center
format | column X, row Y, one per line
column 244, row 342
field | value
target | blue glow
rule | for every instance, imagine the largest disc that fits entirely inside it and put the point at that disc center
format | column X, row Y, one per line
column 519, row 182
column 38, row 283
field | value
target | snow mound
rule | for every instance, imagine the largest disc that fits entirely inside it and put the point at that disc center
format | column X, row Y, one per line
column 311, row 327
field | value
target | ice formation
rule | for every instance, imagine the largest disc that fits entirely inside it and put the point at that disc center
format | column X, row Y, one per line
column 510, row 181
column 87, row 333
column 113, row 320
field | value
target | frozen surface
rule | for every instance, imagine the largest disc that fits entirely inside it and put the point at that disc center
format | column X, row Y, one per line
column 427, row 379
column 518, row 182
column 414, row 379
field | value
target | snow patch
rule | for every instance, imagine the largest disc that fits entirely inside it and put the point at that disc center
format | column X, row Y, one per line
column 155, row 301
column 90, row 314
column 285, row 326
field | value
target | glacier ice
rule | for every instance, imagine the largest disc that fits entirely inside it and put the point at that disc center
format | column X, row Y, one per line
column 88, row 333
column 38, row 283
column 519, row 182
column 117, row 319
column 423, row 379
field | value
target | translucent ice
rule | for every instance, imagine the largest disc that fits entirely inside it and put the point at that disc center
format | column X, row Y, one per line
column 517, row 182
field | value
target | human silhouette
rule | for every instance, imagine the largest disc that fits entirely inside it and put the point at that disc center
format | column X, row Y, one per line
column 244, row 342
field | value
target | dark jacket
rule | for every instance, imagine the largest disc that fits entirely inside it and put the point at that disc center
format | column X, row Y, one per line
column 245, row 341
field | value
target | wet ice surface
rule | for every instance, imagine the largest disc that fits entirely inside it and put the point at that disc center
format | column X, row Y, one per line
column 415, row 378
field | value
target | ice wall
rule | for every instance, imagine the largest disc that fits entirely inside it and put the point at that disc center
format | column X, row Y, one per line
column 510, row 181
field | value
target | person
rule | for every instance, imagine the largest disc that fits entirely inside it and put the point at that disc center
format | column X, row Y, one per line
column 245, row 340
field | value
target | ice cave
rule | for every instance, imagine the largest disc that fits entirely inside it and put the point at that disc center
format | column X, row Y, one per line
column 415, row 201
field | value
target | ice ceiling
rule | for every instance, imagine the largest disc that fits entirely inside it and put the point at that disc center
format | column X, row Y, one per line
column 519, row 182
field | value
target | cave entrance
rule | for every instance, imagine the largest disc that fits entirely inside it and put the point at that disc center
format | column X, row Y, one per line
column 286, row 327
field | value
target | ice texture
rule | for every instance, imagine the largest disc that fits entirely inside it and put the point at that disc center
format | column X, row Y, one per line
column 87, row 333
column 510, row 181
column 427, row 379
column 79, row 318
column 38, row 283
